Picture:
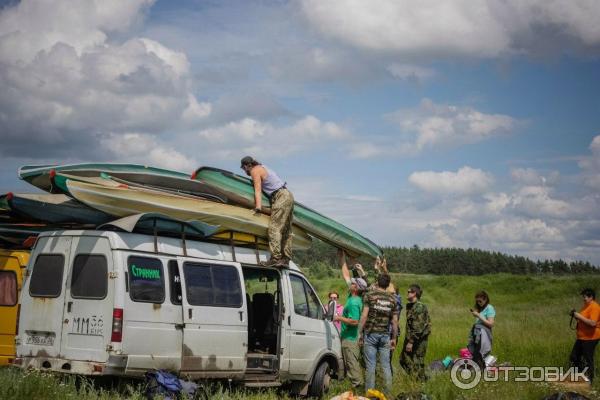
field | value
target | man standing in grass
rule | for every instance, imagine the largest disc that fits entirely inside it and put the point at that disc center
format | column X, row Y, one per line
column 588, row 333
column 379, row 309
column 349, row 320
column 418, row 328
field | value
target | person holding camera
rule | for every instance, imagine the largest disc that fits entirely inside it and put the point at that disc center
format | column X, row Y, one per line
column 588, row 333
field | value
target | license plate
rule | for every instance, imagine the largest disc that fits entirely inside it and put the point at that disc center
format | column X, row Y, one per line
column 40, row 340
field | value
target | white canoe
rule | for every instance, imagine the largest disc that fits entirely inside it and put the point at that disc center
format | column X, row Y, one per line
column 123, row 201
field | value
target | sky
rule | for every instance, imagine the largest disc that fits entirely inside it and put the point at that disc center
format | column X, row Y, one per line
column 463, row 123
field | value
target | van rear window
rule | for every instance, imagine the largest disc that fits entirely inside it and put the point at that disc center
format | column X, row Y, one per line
column 212, row 285
column 146, row 279
column 89, row 279
column 8, row 288
column 46, row 278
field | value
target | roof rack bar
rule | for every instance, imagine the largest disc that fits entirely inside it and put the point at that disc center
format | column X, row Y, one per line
column 155, row 231
column 183, row 240
column 232, row 244
column 256, row 250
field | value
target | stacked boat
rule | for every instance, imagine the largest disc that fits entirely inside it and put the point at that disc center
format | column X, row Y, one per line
column 214, row 204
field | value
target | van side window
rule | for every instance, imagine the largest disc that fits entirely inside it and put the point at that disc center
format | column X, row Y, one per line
column 212, row 285
column 89, row 279
column 315, row 310
column 46, row 278
column 306, row 302
column 8, row 288
column 174, row 282
column 146, row 279
column 299, row 296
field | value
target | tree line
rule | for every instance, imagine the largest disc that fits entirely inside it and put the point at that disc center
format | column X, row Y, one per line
column 321, row 261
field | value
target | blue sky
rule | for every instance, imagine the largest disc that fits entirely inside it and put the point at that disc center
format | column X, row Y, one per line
column 464, row 124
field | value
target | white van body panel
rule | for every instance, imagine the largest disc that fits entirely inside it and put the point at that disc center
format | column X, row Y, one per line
column 179, row 331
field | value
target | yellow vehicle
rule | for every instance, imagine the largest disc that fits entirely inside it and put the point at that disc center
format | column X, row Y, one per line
column 12, row 271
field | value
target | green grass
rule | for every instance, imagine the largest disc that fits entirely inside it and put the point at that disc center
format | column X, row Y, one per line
column 532, row 329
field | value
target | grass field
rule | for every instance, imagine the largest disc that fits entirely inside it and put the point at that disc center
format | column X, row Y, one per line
column 532, row 329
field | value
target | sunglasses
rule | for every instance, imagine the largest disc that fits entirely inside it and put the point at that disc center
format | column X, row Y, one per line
column 411, row 291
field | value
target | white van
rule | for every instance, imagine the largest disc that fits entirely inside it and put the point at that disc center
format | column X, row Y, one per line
column 115, row 303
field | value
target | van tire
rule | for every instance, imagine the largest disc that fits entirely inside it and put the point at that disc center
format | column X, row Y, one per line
column 319, row 384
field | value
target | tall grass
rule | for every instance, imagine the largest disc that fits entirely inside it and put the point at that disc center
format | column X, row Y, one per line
column 532, row 329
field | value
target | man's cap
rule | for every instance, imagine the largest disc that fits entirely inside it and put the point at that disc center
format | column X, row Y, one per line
column 246, row 160
column 360, row 283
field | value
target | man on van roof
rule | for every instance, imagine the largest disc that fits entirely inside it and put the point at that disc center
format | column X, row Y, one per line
column 282, row 209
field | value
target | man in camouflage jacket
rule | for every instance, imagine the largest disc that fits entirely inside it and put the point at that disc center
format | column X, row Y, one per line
column 418, row 328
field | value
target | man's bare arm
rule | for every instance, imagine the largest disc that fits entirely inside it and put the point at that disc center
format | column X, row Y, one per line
column 257, row 180
column 363, row 319
column 344, row 265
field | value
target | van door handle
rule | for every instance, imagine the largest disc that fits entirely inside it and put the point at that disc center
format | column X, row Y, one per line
column 241, row 315
column 300, row 333
column 69, row 305
column 189, row 313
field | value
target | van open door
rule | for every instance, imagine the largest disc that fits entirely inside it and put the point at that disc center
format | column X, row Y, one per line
column 215, row 334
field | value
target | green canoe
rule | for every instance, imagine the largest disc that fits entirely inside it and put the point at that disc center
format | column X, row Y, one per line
column 238, row 190
column 41, row 176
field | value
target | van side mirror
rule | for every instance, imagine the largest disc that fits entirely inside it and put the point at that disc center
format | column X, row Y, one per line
column 330, row 310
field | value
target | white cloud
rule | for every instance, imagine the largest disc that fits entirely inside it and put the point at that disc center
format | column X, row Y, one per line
column 146, row 150
column 460, row 28
column 591, row 165
column 432, row 125
column 531, row 177
column 440, row 124
column 66, row 84
column 517, row 232
column 261, row 138
column 465, row 181
column 536, row 201
column 410, row 72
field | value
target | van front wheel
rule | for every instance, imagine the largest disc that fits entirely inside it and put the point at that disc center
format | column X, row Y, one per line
column 320, row 381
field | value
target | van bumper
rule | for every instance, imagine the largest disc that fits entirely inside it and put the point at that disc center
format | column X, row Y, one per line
column 114, row 366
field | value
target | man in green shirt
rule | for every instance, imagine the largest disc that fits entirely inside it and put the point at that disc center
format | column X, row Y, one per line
column 349, row 320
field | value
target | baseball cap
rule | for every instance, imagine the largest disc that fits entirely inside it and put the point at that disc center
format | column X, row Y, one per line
column 246, row 160
column 360, row 283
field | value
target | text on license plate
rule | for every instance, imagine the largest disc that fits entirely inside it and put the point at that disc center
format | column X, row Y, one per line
column 40, row 340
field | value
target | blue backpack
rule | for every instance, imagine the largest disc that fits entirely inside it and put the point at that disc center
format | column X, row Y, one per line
column 164, row 385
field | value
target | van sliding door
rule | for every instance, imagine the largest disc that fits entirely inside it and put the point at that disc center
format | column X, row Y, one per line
column 215, row 318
